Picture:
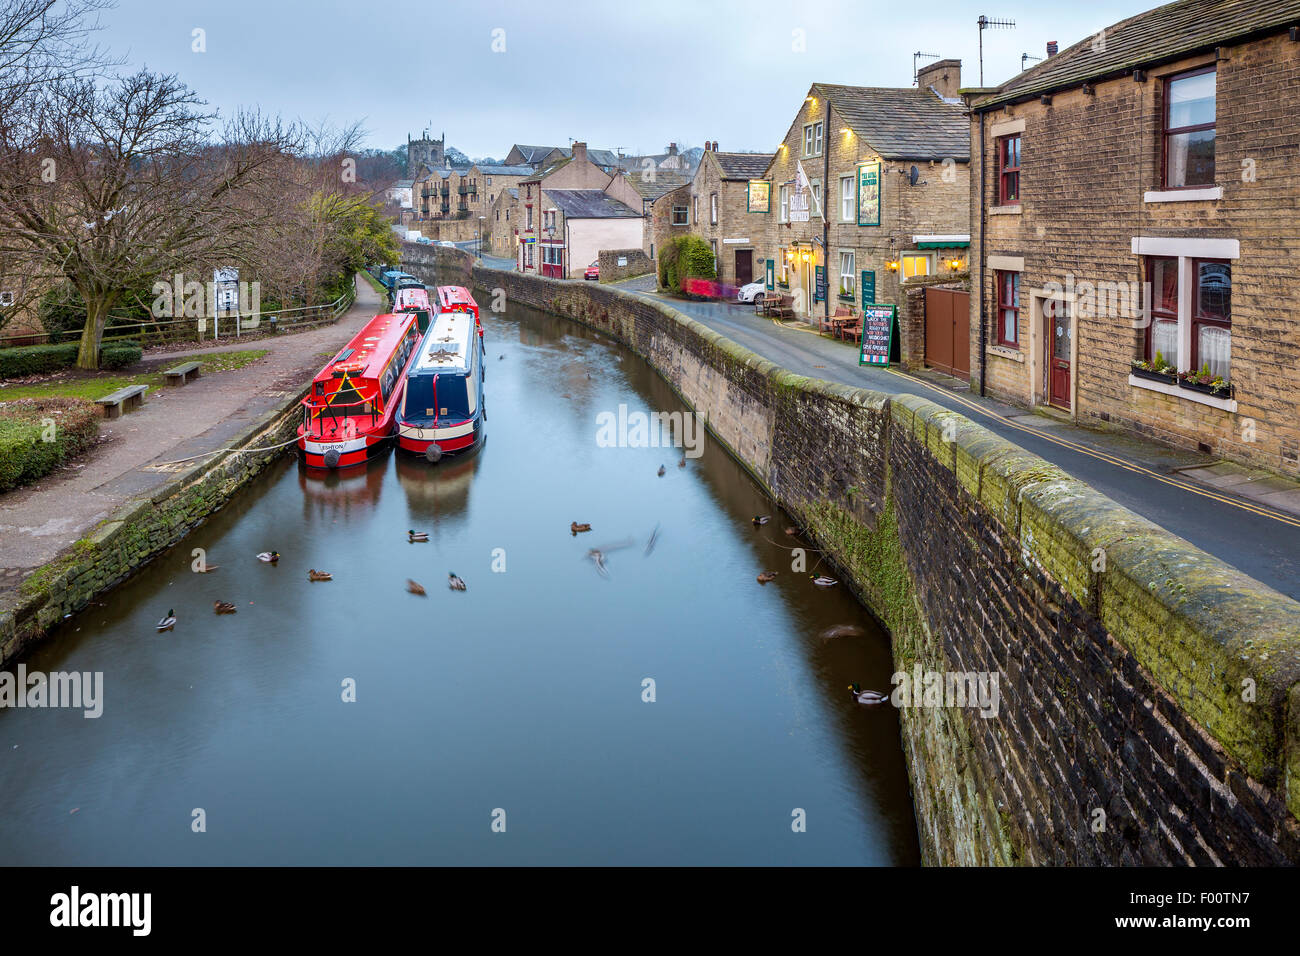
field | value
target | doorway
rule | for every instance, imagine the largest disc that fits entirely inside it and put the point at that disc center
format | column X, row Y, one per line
column 1057, row 346
column 947, row 331
column 744, row 266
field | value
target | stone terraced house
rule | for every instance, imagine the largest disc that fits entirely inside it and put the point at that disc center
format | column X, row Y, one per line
column 720, row 193
column 1139, row 202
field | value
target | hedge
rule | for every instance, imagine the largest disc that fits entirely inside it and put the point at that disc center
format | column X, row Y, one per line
column 685, row 257
column 70, row 424
column 39, row 359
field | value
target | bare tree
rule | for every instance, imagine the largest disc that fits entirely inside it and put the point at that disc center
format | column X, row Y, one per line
column 114, row 187
column 45, row 40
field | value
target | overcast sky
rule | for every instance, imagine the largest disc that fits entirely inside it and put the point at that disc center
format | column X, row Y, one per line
column 635, row 75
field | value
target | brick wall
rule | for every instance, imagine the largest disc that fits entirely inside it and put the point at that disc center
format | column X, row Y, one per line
column 637, row 263
column 1121, row 687
column 1087, row 162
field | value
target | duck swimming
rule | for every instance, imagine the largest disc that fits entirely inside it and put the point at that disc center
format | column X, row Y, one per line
column 867, row 696
column 223, row 607
column 314, row 575
column 269, row 557
column 759, row 520
column 454, row 581
column 577, row 527
column 417, row 535
column 661, row 471
column 822, row 581
column 766, row 576
column 167, row 623
column 415, row 587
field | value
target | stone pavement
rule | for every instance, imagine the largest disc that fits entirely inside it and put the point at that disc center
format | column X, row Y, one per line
column 38, row 521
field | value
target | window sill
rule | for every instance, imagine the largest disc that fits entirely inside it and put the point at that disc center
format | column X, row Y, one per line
column 1006, row 351
column 1224, row 404
column 1183, row 195
column 1005, row 210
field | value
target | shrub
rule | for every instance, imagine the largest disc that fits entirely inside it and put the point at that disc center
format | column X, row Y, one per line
column 685, row 257
column 25, row 454
column 119, row 354
column 39, row 359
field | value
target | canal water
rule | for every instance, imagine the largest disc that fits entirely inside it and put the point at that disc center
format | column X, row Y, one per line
column 520, row 702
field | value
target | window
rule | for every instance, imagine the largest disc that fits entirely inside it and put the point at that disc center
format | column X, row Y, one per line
column 785, row 204
column 816, row 185
column 916, row 266
column 847, row 284
column 1008, row 180
column 528, row 222
column 695, row 208
column 1189, row 129
column 489, row 180
column 1162, row 333
column 812, row 139
column 713, row 208
column 1211, row 315
column 848, row 198
column 1008, row 299
column 781, row 262
column 679, row 216
column 713, row 244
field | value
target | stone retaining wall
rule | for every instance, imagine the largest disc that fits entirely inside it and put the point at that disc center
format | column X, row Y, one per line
column 1149, row 693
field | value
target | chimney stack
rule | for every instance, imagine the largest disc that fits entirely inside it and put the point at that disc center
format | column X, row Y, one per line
column 580, row 152
column 943, row 75
column 1052, row 48
column 672, row 149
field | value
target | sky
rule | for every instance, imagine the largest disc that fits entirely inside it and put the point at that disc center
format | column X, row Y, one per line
column 623, row 75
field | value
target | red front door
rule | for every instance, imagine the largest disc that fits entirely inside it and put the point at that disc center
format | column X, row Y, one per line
column 1058, row 354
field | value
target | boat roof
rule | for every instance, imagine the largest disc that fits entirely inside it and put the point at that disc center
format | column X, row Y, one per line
column 452, row 297
column 371, row 348
column 446, row 346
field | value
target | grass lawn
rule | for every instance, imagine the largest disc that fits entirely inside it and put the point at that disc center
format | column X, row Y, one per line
column 374, row 283
column 90, row 386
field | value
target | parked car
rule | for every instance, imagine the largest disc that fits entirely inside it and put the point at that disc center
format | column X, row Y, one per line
column 447, row 242
column 753, row 292
column 424, row 241
column 593, row 271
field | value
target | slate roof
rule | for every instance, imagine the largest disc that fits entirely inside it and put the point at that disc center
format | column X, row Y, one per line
column 543, row 173
column 600, row 157
column 590, row 204
column 901, row 123
column 743, row 165
column 495, row 169
column 403, row 184
column 1165, row 33
column 665, row 181
column 533, row 154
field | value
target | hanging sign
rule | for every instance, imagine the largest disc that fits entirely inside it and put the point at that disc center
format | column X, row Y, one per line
column 819, row 287
column 868, row 287
column 869, row 194
column 760, row 196
column 877, row 334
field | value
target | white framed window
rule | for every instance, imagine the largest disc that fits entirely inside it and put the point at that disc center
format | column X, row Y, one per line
column 695, row 208
column 784, row 214
column 848, row 198
column 782, row 272
column 848, row 286
column 489, row 180
column 915, row 265
column 713, row 244
column 812, row 140
column 816, row 185
column 713, row 208
column 680, row 217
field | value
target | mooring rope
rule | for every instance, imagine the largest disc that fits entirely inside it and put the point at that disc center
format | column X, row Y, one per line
column 218, row 451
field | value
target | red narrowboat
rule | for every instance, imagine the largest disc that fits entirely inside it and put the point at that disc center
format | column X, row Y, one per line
column 348, row 414
column 454, row 298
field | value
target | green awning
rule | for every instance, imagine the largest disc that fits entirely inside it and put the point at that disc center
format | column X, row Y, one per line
column 951, row 244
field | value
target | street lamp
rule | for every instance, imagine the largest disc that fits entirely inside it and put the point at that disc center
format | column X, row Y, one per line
column 480, row 237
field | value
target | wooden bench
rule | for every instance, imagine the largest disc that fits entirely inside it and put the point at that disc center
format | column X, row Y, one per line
column 181, row 374
column 122, row 401
column 780, row 307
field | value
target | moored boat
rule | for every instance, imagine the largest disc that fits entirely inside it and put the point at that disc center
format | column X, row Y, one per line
column 350, row 411
column 442, row 410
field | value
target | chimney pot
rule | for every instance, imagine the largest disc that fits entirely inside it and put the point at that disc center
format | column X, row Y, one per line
column 1052, row 48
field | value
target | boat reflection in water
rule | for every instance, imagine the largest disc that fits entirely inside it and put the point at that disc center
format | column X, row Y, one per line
column 343, row 490
column 437, row 492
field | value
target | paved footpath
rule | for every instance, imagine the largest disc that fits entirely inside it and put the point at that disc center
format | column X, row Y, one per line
column 1248, row 518
column 39, row 521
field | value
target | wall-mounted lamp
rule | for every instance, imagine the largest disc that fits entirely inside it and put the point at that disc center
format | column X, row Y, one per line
column 845, row 129
column 892, row 265
column 807, row 257
column 954, row 265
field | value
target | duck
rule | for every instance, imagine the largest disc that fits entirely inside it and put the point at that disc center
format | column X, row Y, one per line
column 417, row 535
column 208, row 568
column 822, row 581
column 167, row 623
column 867, row 696
column 662, row 471
column 415, row 587
column 577, row 527
column 223, row 607
column 792, row 531
column 314, row 575
column 759, row 520
column 269, row 557
column 455, row 582
column 765, row 576
column 842, row 630
column 681, row 462
column 598, row 559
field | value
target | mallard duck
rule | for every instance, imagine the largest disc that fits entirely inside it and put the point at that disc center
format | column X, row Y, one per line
column 314, row 575
column 577, row 527
column 223, row 607
column 415, row 587
column 822, row 581
column 662, row 471
column 269, row 557
column 167, row 623
column 759, row 520
column 417, row 535
column 867, row 696
column 765, row 576
column 454, row 581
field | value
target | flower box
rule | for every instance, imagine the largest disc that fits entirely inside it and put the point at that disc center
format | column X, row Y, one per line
column 1224, row 391
column 1169, row 378
column 846, row 297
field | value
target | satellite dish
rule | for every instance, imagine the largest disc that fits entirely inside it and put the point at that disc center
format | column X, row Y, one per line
column 913, row 176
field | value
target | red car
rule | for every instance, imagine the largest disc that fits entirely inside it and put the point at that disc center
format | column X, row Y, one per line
column 593, row 271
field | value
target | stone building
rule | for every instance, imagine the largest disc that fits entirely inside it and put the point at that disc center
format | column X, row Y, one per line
column 501, row 224
column 658, row 191
column 1137, row 203
column 576, row 224
column 540, row 157
column 424, row 152
column 720, row 195
column 884, row 196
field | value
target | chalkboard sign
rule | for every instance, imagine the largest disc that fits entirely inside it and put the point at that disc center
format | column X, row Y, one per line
column 868, row 287
column 877, row 334
column 819, row 292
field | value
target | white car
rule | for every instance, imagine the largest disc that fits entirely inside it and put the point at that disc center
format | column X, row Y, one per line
column 754, row 292
column 447, row 242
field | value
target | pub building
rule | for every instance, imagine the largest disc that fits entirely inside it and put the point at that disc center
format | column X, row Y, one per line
column 1135, row 230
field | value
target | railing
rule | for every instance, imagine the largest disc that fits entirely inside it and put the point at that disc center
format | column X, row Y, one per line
column 333, row 411
column 185, row 329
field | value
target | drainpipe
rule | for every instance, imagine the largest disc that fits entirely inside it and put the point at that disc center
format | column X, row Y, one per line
column 983, row 257
column 826, row 223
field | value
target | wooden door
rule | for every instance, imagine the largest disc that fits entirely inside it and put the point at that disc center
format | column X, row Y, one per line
column 1058, row 354
column 947, row 331
column 744, row 266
